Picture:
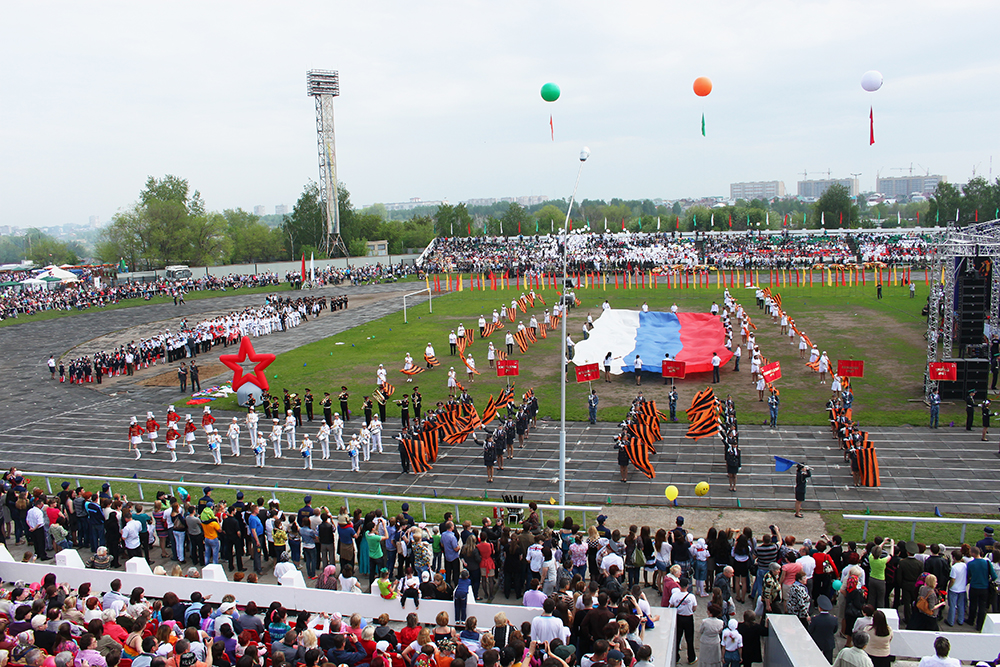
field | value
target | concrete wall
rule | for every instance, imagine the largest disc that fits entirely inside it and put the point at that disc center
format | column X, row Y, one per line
column 966, row 646
column 789, row 644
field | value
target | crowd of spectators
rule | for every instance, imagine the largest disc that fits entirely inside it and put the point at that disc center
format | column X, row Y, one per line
column 894, row 248
column 595, row 587
column 643, row 251
column 590, row 252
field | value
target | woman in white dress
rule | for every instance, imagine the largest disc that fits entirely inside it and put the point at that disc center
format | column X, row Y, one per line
column 451, row 382
column 709, row 638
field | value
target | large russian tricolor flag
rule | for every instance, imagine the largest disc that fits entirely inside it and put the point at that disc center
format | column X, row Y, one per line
column 688, row 337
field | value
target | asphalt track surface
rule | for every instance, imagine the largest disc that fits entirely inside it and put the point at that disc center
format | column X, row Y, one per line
column 68, row 429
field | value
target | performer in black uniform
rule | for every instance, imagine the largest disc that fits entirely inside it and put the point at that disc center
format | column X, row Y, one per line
column 970, row 408
column 327, row 408
column 309, row 404
column 344, row 412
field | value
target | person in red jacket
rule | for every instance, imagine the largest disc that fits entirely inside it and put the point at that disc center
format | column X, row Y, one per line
column 171, row 438
column 207, row 420
column 152, row 431
column 172, row 416
column 135, row 437
column 189, row 431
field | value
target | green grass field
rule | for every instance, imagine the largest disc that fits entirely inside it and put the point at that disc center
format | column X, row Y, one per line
column 847, row 322
column 130, row 303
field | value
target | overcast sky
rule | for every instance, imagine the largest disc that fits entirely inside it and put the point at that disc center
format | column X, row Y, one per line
column 441, row 99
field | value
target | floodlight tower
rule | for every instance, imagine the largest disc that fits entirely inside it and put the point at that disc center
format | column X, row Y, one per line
column 324, row 85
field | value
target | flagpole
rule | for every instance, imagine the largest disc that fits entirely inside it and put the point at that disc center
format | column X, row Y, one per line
column 584, row 154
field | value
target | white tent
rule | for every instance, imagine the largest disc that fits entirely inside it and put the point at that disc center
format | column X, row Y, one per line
column 55, row 272
column 34, row 283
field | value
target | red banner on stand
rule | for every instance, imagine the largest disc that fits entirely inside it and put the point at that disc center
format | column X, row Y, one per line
column 850, row 369
column 771, row 372
column 588, row 373
column 507, row 367
column 943, row 371
column 673, row 369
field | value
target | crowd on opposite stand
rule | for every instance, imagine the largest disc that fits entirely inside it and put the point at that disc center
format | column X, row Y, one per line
column 188, row 340
column 591, row 584
column 648, row 250
column 362, row 274
column 15, row 301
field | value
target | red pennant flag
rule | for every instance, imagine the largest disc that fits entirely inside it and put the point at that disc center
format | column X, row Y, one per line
column 470, row 228
column 841, row 218
column 303, row 266
column 678, row 222
column 552, row 129
column 571, row 224
column 730, row 220
column 623, row 223
column 871, row 122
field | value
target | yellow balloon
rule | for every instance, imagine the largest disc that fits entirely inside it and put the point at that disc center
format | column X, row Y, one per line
column 701, row 489
column 671, row 492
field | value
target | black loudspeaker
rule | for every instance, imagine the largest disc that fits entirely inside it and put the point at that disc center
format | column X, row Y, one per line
column 975, row 281
column 972, row 374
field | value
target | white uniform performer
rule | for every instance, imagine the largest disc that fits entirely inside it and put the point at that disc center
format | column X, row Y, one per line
column 471, row 367
column 306, row 451
column 352, row 451
column 290, row 431
column 380, row 375
column 365, row 440
column 276, row 438
column 324, row 439
column 189, row 431
column 152, row 431
column 172, row 441
column 338, row 431
column 251, row 421
column 260, row 450
column 234, row 437
column 375, row 428
column 451, row 381
column 135, row 437
column 215, row 446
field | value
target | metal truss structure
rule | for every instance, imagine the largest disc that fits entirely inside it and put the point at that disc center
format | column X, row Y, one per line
column 977, row 240
column 323, row 86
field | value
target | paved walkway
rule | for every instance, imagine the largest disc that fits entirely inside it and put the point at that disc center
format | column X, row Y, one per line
column 63, row 428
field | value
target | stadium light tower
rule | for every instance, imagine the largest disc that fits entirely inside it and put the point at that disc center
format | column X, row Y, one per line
column 324, row 85
column 584, row 154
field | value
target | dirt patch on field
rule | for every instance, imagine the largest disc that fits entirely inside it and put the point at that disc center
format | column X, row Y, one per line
column 168, row 378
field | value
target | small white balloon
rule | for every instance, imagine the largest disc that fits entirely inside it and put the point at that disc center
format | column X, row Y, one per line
column 871, row 80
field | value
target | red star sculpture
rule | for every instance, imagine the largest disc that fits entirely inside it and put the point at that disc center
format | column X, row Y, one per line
column 233, row 361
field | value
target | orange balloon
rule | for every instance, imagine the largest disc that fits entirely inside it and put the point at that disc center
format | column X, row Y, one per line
column 702, row 86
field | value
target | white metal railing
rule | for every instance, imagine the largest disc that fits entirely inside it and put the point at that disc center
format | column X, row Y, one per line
column 912, row 520
column 346, row 495
column 430, row 300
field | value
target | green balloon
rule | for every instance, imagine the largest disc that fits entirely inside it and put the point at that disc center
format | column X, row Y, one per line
column 550, row 92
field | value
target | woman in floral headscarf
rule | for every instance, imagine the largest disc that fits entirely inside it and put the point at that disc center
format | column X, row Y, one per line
column 854, row 599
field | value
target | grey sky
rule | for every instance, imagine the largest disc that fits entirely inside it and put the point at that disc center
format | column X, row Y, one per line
column 441, row 99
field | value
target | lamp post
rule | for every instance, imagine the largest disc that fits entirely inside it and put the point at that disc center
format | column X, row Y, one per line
column 584, row 154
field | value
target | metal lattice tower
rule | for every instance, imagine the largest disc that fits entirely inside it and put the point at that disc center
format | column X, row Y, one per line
column 978, row 240
column 324, row 85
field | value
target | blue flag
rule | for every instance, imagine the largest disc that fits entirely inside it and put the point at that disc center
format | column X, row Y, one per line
column 781, row 465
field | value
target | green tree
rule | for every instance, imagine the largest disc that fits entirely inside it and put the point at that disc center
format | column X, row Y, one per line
column 252, row 240
column 944, row 204
column 304, row 226
column 549, row 217
column 833, row 204
column 210, row 244
column 127, row 237
column 516, row 218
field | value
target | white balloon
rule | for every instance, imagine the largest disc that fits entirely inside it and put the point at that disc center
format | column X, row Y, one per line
column 871, row 80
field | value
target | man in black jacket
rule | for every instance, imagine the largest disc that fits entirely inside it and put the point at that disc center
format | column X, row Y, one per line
column 823, row 628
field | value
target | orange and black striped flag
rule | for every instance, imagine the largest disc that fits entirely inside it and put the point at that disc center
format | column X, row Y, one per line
column 648, row 409
column 638, row 454
column 432, row 360
column 387, row 389
column 459, row 385
column 540, row 298
column 511, row 313
column 522, row 303
column 531, row 335
column 522, row 340
column 415, row 451
column 466, row 362
column 412, row 370
column 531, row 299
column 554, row 324
column 541, row 332
column 701, row 402
column 644, row 432
column 468, row 337
column 501, row 355
column 869, row 462
column 707, row 424
column 460, row 344
column 506, row 397
column 492, row 328
column 430, row 440
column 490, row 411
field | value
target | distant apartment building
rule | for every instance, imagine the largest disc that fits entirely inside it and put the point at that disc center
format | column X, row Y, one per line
column 260, row 209
column 95, row 221
column 281, row 209
column 815, row 189
column 902, row 187
column 757, row 190
column 415, row 202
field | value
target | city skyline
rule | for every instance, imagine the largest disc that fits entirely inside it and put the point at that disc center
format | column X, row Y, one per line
column 445, row 103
